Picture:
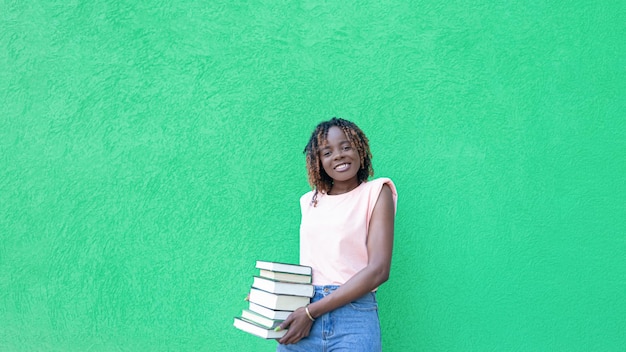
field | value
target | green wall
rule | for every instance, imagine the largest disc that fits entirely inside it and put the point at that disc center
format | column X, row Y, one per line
column 150, row 152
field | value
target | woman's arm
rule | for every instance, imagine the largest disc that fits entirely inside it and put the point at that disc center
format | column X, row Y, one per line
column 379, row 249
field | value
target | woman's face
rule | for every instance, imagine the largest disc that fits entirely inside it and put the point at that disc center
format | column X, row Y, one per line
column 340, row 159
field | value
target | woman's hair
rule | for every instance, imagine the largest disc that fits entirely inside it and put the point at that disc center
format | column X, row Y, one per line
column 318, row 178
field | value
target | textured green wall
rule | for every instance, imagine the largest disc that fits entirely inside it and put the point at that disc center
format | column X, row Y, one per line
column 151, row 152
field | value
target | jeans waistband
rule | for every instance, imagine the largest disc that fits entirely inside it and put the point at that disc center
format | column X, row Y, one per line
column 325, row 288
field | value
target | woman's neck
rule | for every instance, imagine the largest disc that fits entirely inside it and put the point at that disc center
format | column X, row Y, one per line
column 341, row 187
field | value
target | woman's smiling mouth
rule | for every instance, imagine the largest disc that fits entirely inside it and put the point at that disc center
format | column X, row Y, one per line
column 342, row 167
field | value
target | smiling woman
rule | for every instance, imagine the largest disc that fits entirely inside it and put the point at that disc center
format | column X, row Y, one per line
column 330, row 141
column 340, row 161
column 346, row 236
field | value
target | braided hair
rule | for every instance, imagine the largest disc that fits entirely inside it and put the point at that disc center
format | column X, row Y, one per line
column 318, row 178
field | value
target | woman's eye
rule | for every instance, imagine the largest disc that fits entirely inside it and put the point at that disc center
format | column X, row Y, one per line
column 326, row 154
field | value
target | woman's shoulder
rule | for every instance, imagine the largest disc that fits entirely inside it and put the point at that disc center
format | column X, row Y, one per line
column 306, row 197
column 376, row 186
column 381, row 180
column 378, row 183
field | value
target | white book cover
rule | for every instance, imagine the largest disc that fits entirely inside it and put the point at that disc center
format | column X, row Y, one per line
column 277, row 302
column 284, row 267
column 285, row 277
column 257, row 330
column 260, row 319
column 283, row 288
column 269, row 313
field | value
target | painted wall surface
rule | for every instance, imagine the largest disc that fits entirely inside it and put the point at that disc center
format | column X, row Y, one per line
column 150, row 152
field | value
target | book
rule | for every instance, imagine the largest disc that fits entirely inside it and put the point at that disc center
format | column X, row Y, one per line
column 277, row 302
column 277, row 291
column 284, row 268
column 283, row 288
column 269, row 313
column 257, row 330
column 260, row 319
column 285, row 277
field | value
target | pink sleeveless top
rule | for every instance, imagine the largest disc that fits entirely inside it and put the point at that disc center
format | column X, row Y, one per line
column 333, row 235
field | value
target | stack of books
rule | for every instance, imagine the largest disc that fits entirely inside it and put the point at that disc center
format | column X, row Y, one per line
column 278, row 290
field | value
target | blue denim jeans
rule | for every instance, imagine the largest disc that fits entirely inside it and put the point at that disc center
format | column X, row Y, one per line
column 354, row 327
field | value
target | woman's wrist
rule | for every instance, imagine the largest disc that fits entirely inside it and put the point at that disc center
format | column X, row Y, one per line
column 313, row 310
column 308, row 313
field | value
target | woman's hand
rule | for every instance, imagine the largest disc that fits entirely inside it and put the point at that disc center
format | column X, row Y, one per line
column 299, row 326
